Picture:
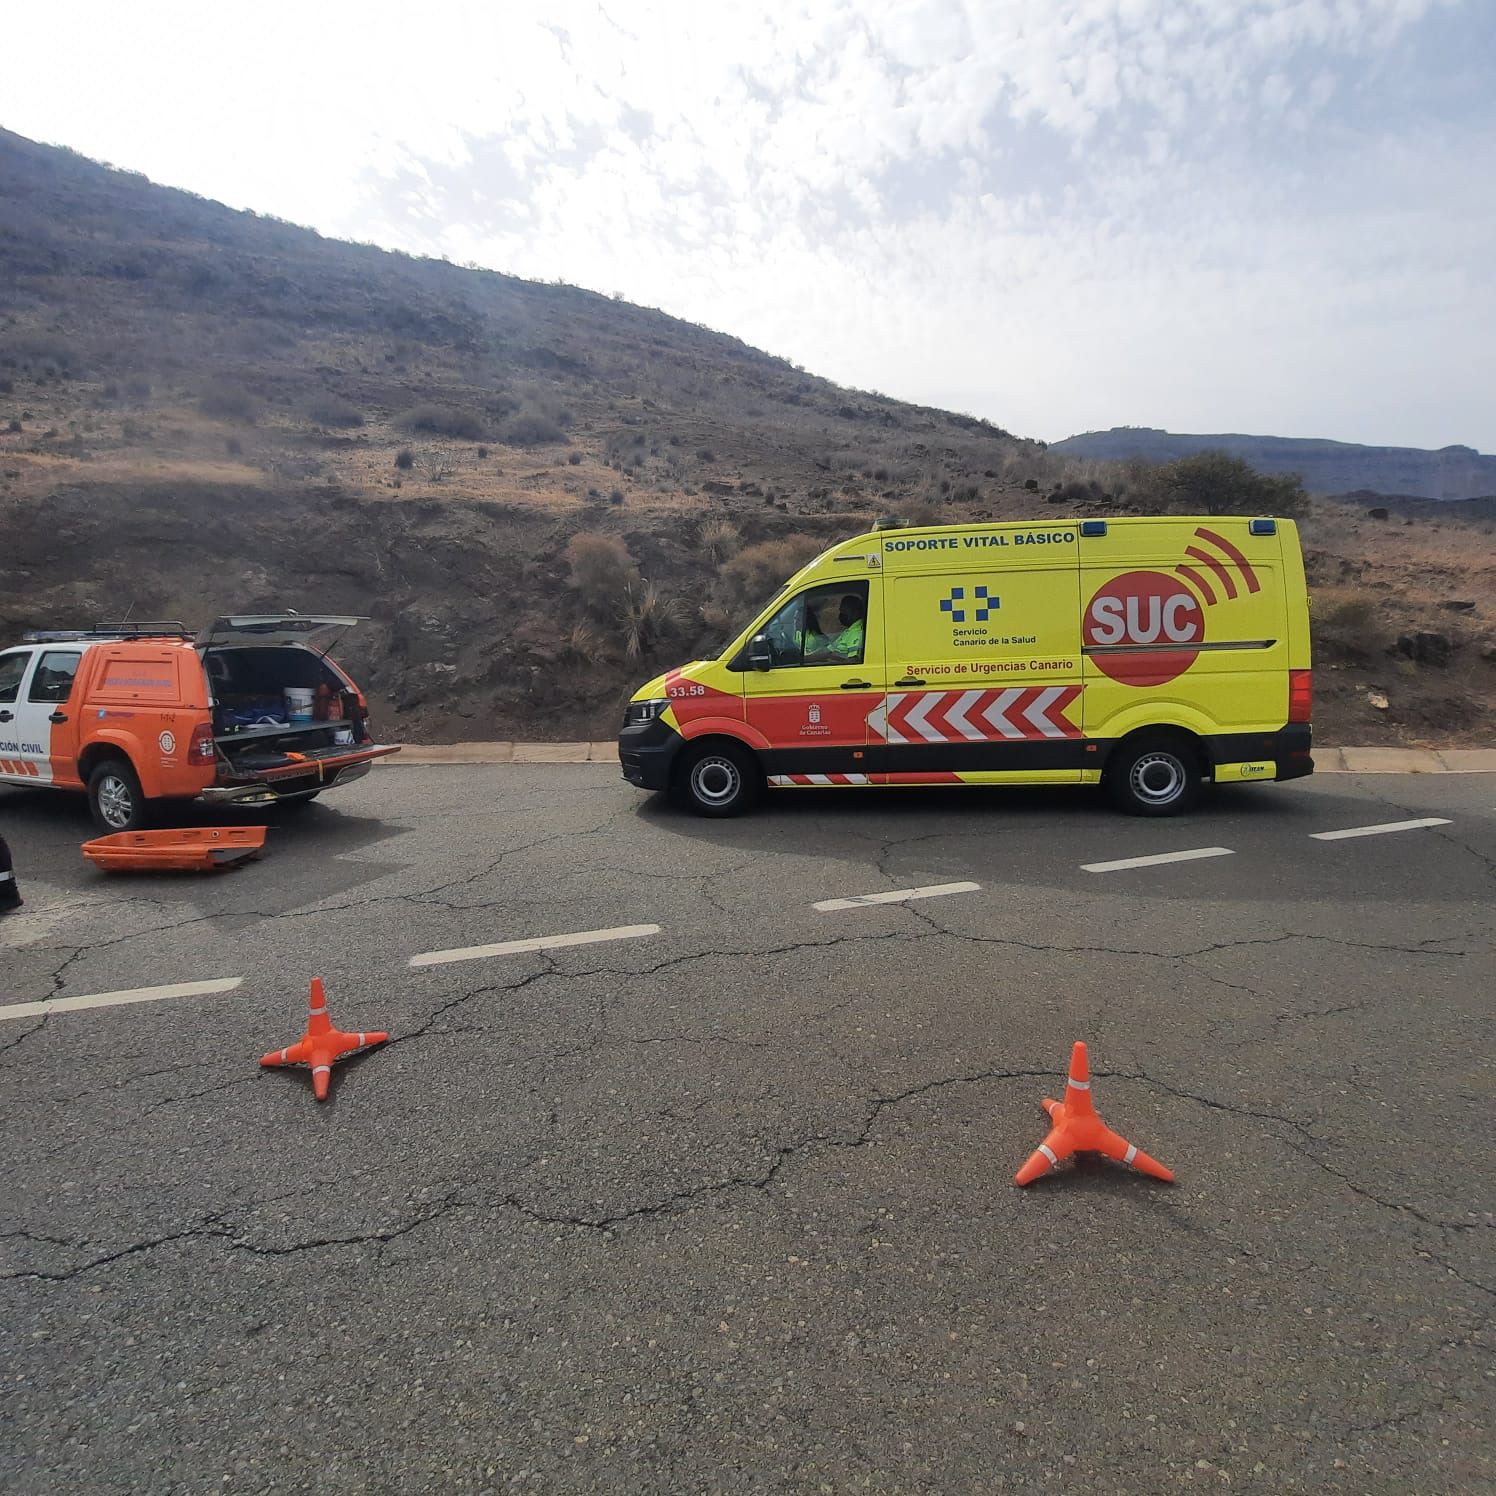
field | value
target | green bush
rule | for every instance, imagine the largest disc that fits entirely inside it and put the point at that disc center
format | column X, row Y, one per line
column 1217, row 483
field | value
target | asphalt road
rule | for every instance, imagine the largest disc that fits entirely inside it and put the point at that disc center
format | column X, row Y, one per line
column 729, row 1206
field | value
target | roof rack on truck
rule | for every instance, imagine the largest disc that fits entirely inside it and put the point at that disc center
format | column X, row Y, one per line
column 170, row 628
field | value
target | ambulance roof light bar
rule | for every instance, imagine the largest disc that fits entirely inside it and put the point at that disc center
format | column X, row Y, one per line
column 170, row 628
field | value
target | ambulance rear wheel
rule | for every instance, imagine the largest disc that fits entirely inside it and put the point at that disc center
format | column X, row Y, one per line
column 717, row 779
column 1154, row 776
column 115, row 799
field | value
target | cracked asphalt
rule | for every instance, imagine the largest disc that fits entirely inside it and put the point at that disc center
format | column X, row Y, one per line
column 730, row 1207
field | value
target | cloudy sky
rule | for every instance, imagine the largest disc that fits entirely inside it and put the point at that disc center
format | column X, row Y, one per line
column 1253, row 215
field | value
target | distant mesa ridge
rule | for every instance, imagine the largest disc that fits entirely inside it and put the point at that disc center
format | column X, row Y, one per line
column 1326, row 467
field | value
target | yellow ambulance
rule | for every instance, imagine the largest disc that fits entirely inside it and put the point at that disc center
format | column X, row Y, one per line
column 1149, row 656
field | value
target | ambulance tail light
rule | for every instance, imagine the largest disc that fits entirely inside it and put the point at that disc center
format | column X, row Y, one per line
column 1300, row 695
column 201, row 750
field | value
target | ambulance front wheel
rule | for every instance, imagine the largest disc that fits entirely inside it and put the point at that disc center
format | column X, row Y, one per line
column 115, row 798
column 1154, row 776
column 717, row 779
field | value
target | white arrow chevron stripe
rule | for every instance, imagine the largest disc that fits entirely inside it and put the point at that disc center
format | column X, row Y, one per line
column 997, row 713
column 956, row 715
column 915, row 717
column 878, row 723
column 1038, row 712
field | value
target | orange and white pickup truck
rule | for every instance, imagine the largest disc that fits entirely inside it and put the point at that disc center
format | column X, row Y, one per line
column 249, row 712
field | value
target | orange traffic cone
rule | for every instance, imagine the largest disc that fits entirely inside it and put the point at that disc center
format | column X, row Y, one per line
column 322, row 1045
column 1078, row 1129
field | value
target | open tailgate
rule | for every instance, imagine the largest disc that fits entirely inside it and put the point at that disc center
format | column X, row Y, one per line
column 318, row 631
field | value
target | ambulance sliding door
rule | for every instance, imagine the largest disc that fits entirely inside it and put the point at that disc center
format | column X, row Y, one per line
column 984, row 663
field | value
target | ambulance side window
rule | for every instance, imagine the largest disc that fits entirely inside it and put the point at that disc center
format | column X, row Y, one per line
column 823, row 626
column 53, row 680
column 12, row 668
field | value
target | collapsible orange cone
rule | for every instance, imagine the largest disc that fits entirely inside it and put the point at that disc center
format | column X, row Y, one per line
column 1078, row 1129
column 322, row 1045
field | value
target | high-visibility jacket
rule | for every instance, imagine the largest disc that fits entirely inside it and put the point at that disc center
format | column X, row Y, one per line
column 848, row 644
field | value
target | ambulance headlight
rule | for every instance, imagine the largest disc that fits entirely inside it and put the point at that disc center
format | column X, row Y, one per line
column 640, row 712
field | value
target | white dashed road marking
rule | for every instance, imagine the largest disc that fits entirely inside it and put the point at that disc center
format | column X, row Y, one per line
column 535, row 943
column 119, row 999
column 1156, row 860
column 1379, row 830
column 896, row 896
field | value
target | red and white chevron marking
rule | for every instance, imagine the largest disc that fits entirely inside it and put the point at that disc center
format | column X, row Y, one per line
column 812, row 781
column 979, row 716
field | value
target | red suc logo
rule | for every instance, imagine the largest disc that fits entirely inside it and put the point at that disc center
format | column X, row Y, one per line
column 1144, row 607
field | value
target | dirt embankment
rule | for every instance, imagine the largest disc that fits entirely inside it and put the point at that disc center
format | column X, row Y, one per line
column 472, row 618
column 475, row 630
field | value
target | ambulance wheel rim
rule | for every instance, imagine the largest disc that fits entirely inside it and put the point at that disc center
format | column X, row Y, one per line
column 116, row 804
column 1158, row 778
column 716, row 780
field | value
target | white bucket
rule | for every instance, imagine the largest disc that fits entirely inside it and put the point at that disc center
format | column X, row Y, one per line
column 299, row 703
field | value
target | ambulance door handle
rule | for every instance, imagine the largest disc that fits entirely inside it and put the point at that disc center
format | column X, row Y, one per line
column 6, row 716
column 57, row 717
column 911, row 680
column 856, row 685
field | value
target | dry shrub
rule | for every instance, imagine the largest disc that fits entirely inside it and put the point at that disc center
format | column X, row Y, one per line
column 758, row 571
column 603, row 571
column 582, row 645
column 1345, row 618
column 541, row 419
column 229, row 401
column 720, row 540
column 646, row 618
column 531, row 428
column 445, row 420
column 328, row 409
column 919, row 513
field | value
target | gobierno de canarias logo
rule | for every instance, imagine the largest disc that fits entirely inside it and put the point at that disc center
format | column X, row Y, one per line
column 1163, row 613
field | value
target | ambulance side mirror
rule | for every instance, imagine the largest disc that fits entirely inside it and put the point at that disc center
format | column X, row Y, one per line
column 760, row 655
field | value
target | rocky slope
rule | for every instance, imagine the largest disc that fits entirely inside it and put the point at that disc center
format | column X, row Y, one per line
column 204, row 410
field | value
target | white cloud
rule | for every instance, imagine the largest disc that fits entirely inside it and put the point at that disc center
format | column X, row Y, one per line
column 1059, row 213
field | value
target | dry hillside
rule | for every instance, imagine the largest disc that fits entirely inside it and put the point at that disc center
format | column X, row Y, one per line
column 202, row 410
column 1326, row 467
